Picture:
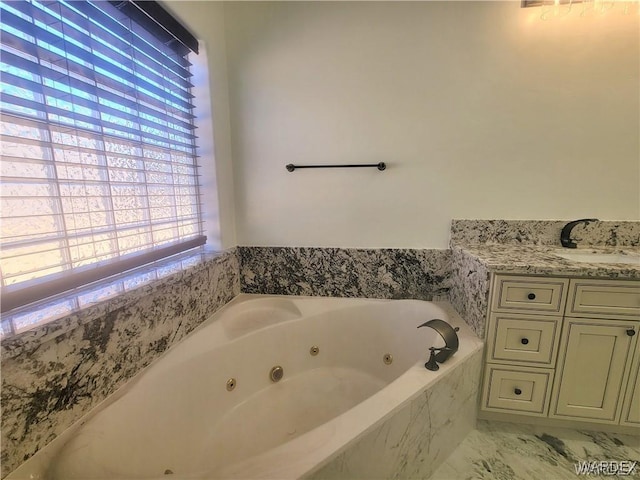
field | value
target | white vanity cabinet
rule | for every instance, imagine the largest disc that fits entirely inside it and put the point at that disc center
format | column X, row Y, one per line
column 563, row 348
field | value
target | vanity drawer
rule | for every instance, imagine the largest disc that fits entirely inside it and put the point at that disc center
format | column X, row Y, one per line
column 523, row 391
column 527, row 339
column 529, row 294
column 604, row 298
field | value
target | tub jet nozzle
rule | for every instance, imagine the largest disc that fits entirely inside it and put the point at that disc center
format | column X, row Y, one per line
column 276, row 373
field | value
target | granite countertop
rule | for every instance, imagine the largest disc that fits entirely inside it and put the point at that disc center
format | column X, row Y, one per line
column 541, row 260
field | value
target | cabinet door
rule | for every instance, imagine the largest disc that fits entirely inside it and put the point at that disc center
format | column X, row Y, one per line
column 631, row 407
column 593, row 369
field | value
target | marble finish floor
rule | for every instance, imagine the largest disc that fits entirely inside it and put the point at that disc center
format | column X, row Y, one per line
column 506, row 451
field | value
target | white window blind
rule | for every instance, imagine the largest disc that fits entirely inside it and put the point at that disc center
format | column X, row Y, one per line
column 98, row 171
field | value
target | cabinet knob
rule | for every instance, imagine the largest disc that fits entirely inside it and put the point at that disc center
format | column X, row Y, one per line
column 517, row 391
column 631, row 332
column 531, row 296
column 524, row 341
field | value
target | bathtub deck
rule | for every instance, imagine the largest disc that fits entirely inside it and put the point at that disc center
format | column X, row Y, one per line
column 496, row 450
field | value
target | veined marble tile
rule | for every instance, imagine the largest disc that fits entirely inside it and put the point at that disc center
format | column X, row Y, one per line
column 469, row 293
column 53, row 375
column 337, row 272
column 496, row 450
column 543, row 260
column 543, row 232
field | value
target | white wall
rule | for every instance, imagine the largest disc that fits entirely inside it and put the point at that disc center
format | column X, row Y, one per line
column 480, row 109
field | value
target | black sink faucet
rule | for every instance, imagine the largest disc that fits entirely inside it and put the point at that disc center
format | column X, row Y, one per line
column 565, row 235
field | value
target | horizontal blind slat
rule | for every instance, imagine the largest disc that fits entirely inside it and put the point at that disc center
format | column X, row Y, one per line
column 114, row 75
column 91, row 124
column 121, row 184
column 72, row 234
column 98, row 40
column 7, row 254
column 96, row 35
column 106, row 17
column 48, row 42
column 178, row 157
column 86, row 81
column 10, row 79
column 152, row 221
column 97, row 90
column 8, row 158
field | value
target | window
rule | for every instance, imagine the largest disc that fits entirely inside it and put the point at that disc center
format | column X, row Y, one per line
column 98, row 171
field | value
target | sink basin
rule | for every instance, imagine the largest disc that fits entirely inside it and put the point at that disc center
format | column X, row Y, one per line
column 599, row 257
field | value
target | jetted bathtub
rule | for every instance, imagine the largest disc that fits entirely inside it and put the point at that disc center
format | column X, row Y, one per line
column 268, row 387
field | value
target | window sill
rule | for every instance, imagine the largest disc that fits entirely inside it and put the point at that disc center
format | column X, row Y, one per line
column 47, row 319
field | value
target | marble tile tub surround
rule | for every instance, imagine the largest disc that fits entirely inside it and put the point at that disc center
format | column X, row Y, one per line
column 469, row 293
column 56, row 373
column 369, row 273
column 414, row 441
column 543, row 232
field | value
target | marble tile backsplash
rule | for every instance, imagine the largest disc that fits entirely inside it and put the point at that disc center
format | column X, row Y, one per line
column 543, row 232
column 54, row 374
column 370, row 273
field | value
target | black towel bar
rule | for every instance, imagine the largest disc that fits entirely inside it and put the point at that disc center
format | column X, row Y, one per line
column 380, row 166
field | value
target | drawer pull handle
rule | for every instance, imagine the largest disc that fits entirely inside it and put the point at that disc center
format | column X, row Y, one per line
column 631, row 332
column 524, row 341
column 531, row 296
column 517, row 391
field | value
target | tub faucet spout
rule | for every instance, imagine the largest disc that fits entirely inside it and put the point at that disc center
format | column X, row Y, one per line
column 565, row 235
column 448, row 333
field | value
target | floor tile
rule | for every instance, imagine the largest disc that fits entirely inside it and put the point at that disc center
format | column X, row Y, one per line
column 497, row 451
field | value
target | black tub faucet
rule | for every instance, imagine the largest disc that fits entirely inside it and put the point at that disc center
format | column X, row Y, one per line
column 448, row 333
column 565, row 235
